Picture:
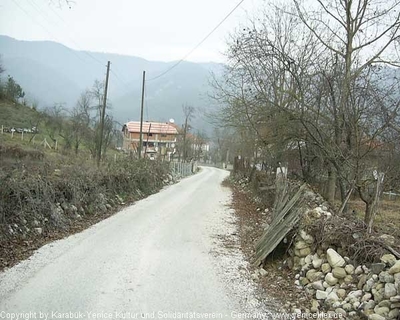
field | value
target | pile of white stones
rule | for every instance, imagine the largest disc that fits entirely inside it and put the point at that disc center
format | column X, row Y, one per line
column 338, row 286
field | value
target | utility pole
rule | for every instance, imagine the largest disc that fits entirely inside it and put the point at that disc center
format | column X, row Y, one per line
column 103, row 114
column 141, row 117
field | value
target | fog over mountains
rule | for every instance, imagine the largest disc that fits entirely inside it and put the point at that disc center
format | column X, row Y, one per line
column 51, row 73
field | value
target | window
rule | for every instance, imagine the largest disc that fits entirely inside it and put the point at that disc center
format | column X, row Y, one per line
column 150, row 134
column 163, row 135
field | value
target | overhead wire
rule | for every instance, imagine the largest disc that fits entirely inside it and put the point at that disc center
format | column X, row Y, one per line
column 199, row 44
column 44, row 14
column 50, row 19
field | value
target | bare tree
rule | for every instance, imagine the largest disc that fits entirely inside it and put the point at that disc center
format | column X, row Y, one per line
column 188, row 113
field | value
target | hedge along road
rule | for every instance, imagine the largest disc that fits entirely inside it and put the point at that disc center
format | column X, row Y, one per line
column 149, row 260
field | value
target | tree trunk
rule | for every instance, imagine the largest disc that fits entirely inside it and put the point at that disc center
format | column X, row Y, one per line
column 331, row 190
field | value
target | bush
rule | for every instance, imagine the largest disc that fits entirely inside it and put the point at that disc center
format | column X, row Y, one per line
column 38, row 190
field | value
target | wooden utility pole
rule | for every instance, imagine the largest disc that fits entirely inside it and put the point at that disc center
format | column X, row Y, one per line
column 141, row 117
column 102, row 116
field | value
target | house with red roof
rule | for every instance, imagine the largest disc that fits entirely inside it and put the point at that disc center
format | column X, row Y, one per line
column 159, row 138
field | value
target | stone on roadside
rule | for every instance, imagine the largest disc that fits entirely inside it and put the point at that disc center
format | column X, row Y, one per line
column 334, row 258
column 388, row 259
column 375, row 316
column 386, row 277
column 321, row 295
column 330, row 279
column 382, row 311
column 377, row 268
column 394, row 314
column 390, row 290
column 339, row 273
column 349, row 269
column 395, row 268
column 318, row 285
column 326, row 268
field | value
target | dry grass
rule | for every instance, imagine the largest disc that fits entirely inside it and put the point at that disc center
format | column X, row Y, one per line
column 388, row 218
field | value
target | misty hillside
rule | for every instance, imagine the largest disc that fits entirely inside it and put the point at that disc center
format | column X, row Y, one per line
column 52, row 73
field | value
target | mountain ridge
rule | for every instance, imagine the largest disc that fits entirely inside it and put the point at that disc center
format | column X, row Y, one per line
column 51, row 73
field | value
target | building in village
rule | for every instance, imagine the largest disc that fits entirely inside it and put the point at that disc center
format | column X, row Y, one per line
column 159, row 138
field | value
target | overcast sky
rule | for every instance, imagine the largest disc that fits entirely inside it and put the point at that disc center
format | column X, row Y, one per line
column 161, row 30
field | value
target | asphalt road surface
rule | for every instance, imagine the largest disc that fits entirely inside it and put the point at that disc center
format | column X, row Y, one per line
column 151, row 260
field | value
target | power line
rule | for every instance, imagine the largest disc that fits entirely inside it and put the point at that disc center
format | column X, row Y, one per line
column 44, row 14
column 200, row 43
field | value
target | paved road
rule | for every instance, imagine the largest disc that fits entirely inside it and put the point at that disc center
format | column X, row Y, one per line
column 153, row 256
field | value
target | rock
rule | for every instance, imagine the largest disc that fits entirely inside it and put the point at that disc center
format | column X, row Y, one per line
column 355, row 295
column 39, row 230
column 379, row 286
column 341, row 293
column 300, row 245
column 356, row 304
column 340, row 311
column 304, row 252
column 317, row 262
column 309, row 239
column 393, row 314
column 384, row 303
column 318, row 285
column 304, row 281
column 314, row 306
column 369, row 284
column 387, row 239
column 377, row 268
column 334, row 258
column 348, row 279
column 108, row 206
column 382, row 311
column 390, row 290
column 349, row 269
column 332, row 298
column 378, row 295
column 326, row 268
column 395, row 299
column 330, row 279
column 262, row 272
column 395, row 268
column 347, row 307
column 313, row 275
column 368, row 305
column 358, row 270
column 395, row 305
column 339, row 273
column 308, row 259
column 385, row 276
column 375, row 316
column 321, row 295
column 388, row 259
column 366, row 297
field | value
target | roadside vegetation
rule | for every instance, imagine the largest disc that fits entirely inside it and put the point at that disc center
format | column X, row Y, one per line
column 317, row 91
column 51, row 183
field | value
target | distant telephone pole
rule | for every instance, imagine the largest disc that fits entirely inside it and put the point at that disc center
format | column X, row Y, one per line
column 103, row 114
column 141, row 117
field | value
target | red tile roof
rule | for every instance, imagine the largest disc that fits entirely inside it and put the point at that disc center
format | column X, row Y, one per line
column 156, row 127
